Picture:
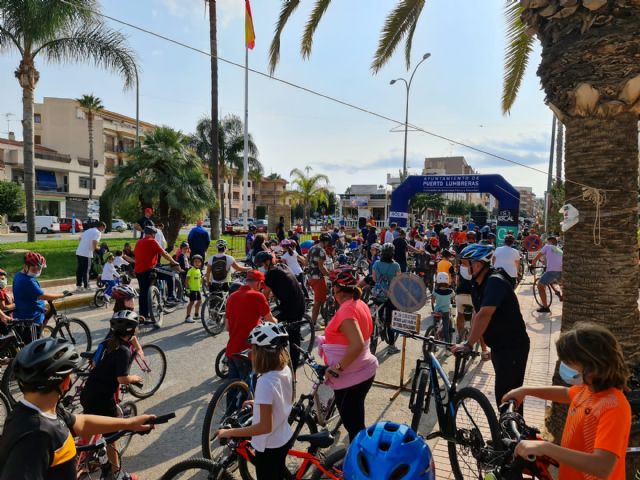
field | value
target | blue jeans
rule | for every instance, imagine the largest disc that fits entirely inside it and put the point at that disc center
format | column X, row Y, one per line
column 109, row 284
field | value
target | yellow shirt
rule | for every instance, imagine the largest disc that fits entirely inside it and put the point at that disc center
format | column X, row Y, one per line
column 194, row 279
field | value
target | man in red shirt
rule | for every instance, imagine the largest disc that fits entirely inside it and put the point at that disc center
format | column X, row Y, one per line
column 147, row 253
column 245, row 307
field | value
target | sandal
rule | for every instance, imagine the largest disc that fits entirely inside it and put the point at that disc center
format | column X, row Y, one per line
column 486, row 356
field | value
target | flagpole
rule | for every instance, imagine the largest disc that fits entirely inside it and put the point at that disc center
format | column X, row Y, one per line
column 245, row 173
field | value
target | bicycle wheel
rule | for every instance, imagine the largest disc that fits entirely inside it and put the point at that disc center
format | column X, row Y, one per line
column 373, row 341
column 152, row 369
column 226, row 401
column 332, row 466
column 154, row 302
column 10, row 386
column 5, row 409
column 307, row 335
column 179, row 290
column 99, row 299
column 476, row 429
column 536, row 293
column 196, row 469
column 74, row 331
column 126, row 410
column 222, row 364
column 212, row 315
column 419, row 399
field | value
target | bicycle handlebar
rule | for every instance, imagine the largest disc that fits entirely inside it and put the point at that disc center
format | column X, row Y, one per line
column 321, row 370
column 440, row 343
column 509, row 409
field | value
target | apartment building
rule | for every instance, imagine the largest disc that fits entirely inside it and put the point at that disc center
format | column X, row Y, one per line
column 364, row 201
column 269, row 193
column 527, row 201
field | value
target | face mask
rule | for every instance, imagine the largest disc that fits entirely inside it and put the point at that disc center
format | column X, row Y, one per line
column 465, row 273
column 262, row 269
column 34, row 274
column 3, row 284
column 569, row 375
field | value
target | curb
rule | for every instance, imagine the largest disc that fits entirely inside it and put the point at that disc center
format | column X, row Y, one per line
column 57, row 282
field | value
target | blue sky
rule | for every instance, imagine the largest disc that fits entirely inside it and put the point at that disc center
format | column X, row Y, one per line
column 456, row 93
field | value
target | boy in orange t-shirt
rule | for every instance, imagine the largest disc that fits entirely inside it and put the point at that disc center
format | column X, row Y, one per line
column 596, row 433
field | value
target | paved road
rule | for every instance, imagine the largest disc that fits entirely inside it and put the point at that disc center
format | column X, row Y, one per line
column 191, row 381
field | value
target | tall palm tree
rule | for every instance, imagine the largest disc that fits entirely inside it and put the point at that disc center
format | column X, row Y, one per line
column 256, row 177
column 230, row 149
column 310, row 190
column 91, row 105
column 167, row 172
column 58, row 32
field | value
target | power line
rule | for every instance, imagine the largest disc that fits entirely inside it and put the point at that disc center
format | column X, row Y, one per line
column 320, row 94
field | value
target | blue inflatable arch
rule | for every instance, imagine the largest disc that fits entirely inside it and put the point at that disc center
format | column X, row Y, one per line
column 507, row 196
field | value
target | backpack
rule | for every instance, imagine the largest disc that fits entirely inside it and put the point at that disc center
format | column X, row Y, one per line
column 422, row 261
column 219, row 268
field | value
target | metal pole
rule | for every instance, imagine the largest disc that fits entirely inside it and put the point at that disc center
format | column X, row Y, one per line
column 245, row 173
column 406, row 128
column 137, row 109
column 549, row 174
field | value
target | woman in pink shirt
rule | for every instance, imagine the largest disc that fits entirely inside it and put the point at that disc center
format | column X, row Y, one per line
column 345, row 348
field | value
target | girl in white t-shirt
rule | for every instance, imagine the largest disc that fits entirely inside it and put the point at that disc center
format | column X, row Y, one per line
column 270, row 431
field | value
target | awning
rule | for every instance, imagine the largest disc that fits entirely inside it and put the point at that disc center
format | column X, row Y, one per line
column 46, row 180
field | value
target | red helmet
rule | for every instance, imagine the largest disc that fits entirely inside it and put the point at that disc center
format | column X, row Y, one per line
column 434, row 242
column 344, row 277
column 34, row 259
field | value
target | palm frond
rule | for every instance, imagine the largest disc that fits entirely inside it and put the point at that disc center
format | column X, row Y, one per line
column 516, row 57
column 95, row 42
column 312, row 24
column 409, row 44
column 400, row 21
column 8, row 41
column 288, row 7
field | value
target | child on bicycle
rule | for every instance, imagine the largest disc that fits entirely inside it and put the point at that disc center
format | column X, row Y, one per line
column 596, row 432
column 270, row 431
column 441, row 302
column 194, row 286
column 111, row 369
column 36, row 441
column 109, row 276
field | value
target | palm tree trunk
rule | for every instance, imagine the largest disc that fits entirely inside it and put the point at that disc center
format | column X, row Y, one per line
column 214, row 213
column 559, row 150
column 28, row 78
column 307, row 215
column 90, row 123
column 603, row 153
column 173, row 227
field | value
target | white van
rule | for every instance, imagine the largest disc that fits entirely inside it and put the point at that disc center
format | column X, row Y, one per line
column 44, row 224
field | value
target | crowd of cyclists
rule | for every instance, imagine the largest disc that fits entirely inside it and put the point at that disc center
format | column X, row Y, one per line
column 462, row 270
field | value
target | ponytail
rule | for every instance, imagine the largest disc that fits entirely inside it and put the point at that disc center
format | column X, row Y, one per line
column 353, row 290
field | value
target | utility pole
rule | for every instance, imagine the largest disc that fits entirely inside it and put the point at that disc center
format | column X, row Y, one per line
column 547, row 196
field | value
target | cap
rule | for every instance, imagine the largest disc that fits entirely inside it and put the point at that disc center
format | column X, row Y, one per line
column 108, row 256
column 255, row 276
column 148, row 210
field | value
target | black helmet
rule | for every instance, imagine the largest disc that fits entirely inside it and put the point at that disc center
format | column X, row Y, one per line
column 43, row 364
column 150, row 229
column 184, row 244
column 325, row 237
column 124, row 322
column 252, row 228
column 388, row 248
column 261, row 257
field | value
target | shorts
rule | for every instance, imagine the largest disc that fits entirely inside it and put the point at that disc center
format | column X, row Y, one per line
column 463, row 300
column 195, row 296
column 548, row 278
column 319, row 287
column 95, row 403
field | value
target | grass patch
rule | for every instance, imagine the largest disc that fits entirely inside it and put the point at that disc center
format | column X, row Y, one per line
column 61, row 254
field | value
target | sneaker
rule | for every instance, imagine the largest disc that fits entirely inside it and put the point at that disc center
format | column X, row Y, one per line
column 172, row 301
column 392, row 350
column 189, row 319
column 128, row 476
column 543, row 310
column 107, row 298
column 196, row 318
column 79, row 290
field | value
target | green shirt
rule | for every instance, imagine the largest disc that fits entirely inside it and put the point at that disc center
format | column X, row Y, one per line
column 194, row 279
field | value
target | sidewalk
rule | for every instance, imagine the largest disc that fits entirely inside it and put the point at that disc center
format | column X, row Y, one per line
column 543, row 330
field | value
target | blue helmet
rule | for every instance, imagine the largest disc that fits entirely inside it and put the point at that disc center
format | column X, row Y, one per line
column 343, row 259
column 387, row 451
column 477, row 253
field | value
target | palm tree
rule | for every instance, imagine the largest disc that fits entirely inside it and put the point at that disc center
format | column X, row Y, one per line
column 256, row 177
column 90, row 105
column 58, row 32
column 167, row 172
column 230, row 149
column 310, row 190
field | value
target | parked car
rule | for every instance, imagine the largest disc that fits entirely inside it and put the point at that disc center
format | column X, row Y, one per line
column 65, row 224
column 239, row 222
column 44, row 224
column 119, row 225
column 88, row 223
column 261, row 226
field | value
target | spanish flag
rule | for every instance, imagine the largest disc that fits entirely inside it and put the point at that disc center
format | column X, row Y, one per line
column 248, row 27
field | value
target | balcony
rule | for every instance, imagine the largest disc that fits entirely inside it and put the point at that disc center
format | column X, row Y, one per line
column 85, row 162
column 53, row 157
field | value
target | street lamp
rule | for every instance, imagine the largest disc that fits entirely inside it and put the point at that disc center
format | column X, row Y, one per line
column 406, row 117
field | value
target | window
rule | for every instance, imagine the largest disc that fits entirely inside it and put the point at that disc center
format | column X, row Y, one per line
column 17, row 176
column 84, row 182
column 236, row 195
column 37, row 139
column 248, row 184
column 37, row 118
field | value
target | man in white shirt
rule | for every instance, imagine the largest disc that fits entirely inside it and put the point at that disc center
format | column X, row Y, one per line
column 447, row 230
column 89, row 242
column 389, row 235
column 160, row 236
column 507, row 258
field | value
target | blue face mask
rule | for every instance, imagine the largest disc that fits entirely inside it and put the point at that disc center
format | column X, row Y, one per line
column 569, row 375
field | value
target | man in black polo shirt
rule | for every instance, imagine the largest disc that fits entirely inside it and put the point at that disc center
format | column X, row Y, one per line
column 402, row 246
column 285, row 287
column 497, row 318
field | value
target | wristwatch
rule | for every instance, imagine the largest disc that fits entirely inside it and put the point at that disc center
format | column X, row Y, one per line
column 338, row 366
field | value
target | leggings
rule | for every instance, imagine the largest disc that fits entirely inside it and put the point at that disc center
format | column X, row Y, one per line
column 270, row 464
column 82, row 271
column 510, row 367
column 350, row 403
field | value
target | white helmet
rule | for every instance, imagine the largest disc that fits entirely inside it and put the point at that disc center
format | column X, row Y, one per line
column 124, row 291
column 442, row 277
column 269, row 335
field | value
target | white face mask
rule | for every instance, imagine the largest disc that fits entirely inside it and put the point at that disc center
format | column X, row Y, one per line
column 34, row 274
column 262, row 269
column 465, row 273
column 3, row 284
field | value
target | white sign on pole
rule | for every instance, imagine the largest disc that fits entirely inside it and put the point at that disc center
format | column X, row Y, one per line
column 405, row 321
column 571, row 216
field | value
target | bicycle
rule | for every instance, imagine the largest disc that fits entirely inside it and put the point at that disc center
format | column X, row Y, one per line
column 465, row 417
column 222, row 364
column 5, row 410
column 99, row 298
column 157, row 296
column 92, row 457
column 329, row 307
column 237, row 454
column 550, row 289
column 379, row 331
column 213, row 310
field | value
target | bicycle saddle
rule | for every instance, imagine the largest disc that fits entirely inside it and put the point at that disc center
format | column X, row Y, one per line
column 322, row 439
column 243, row 355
